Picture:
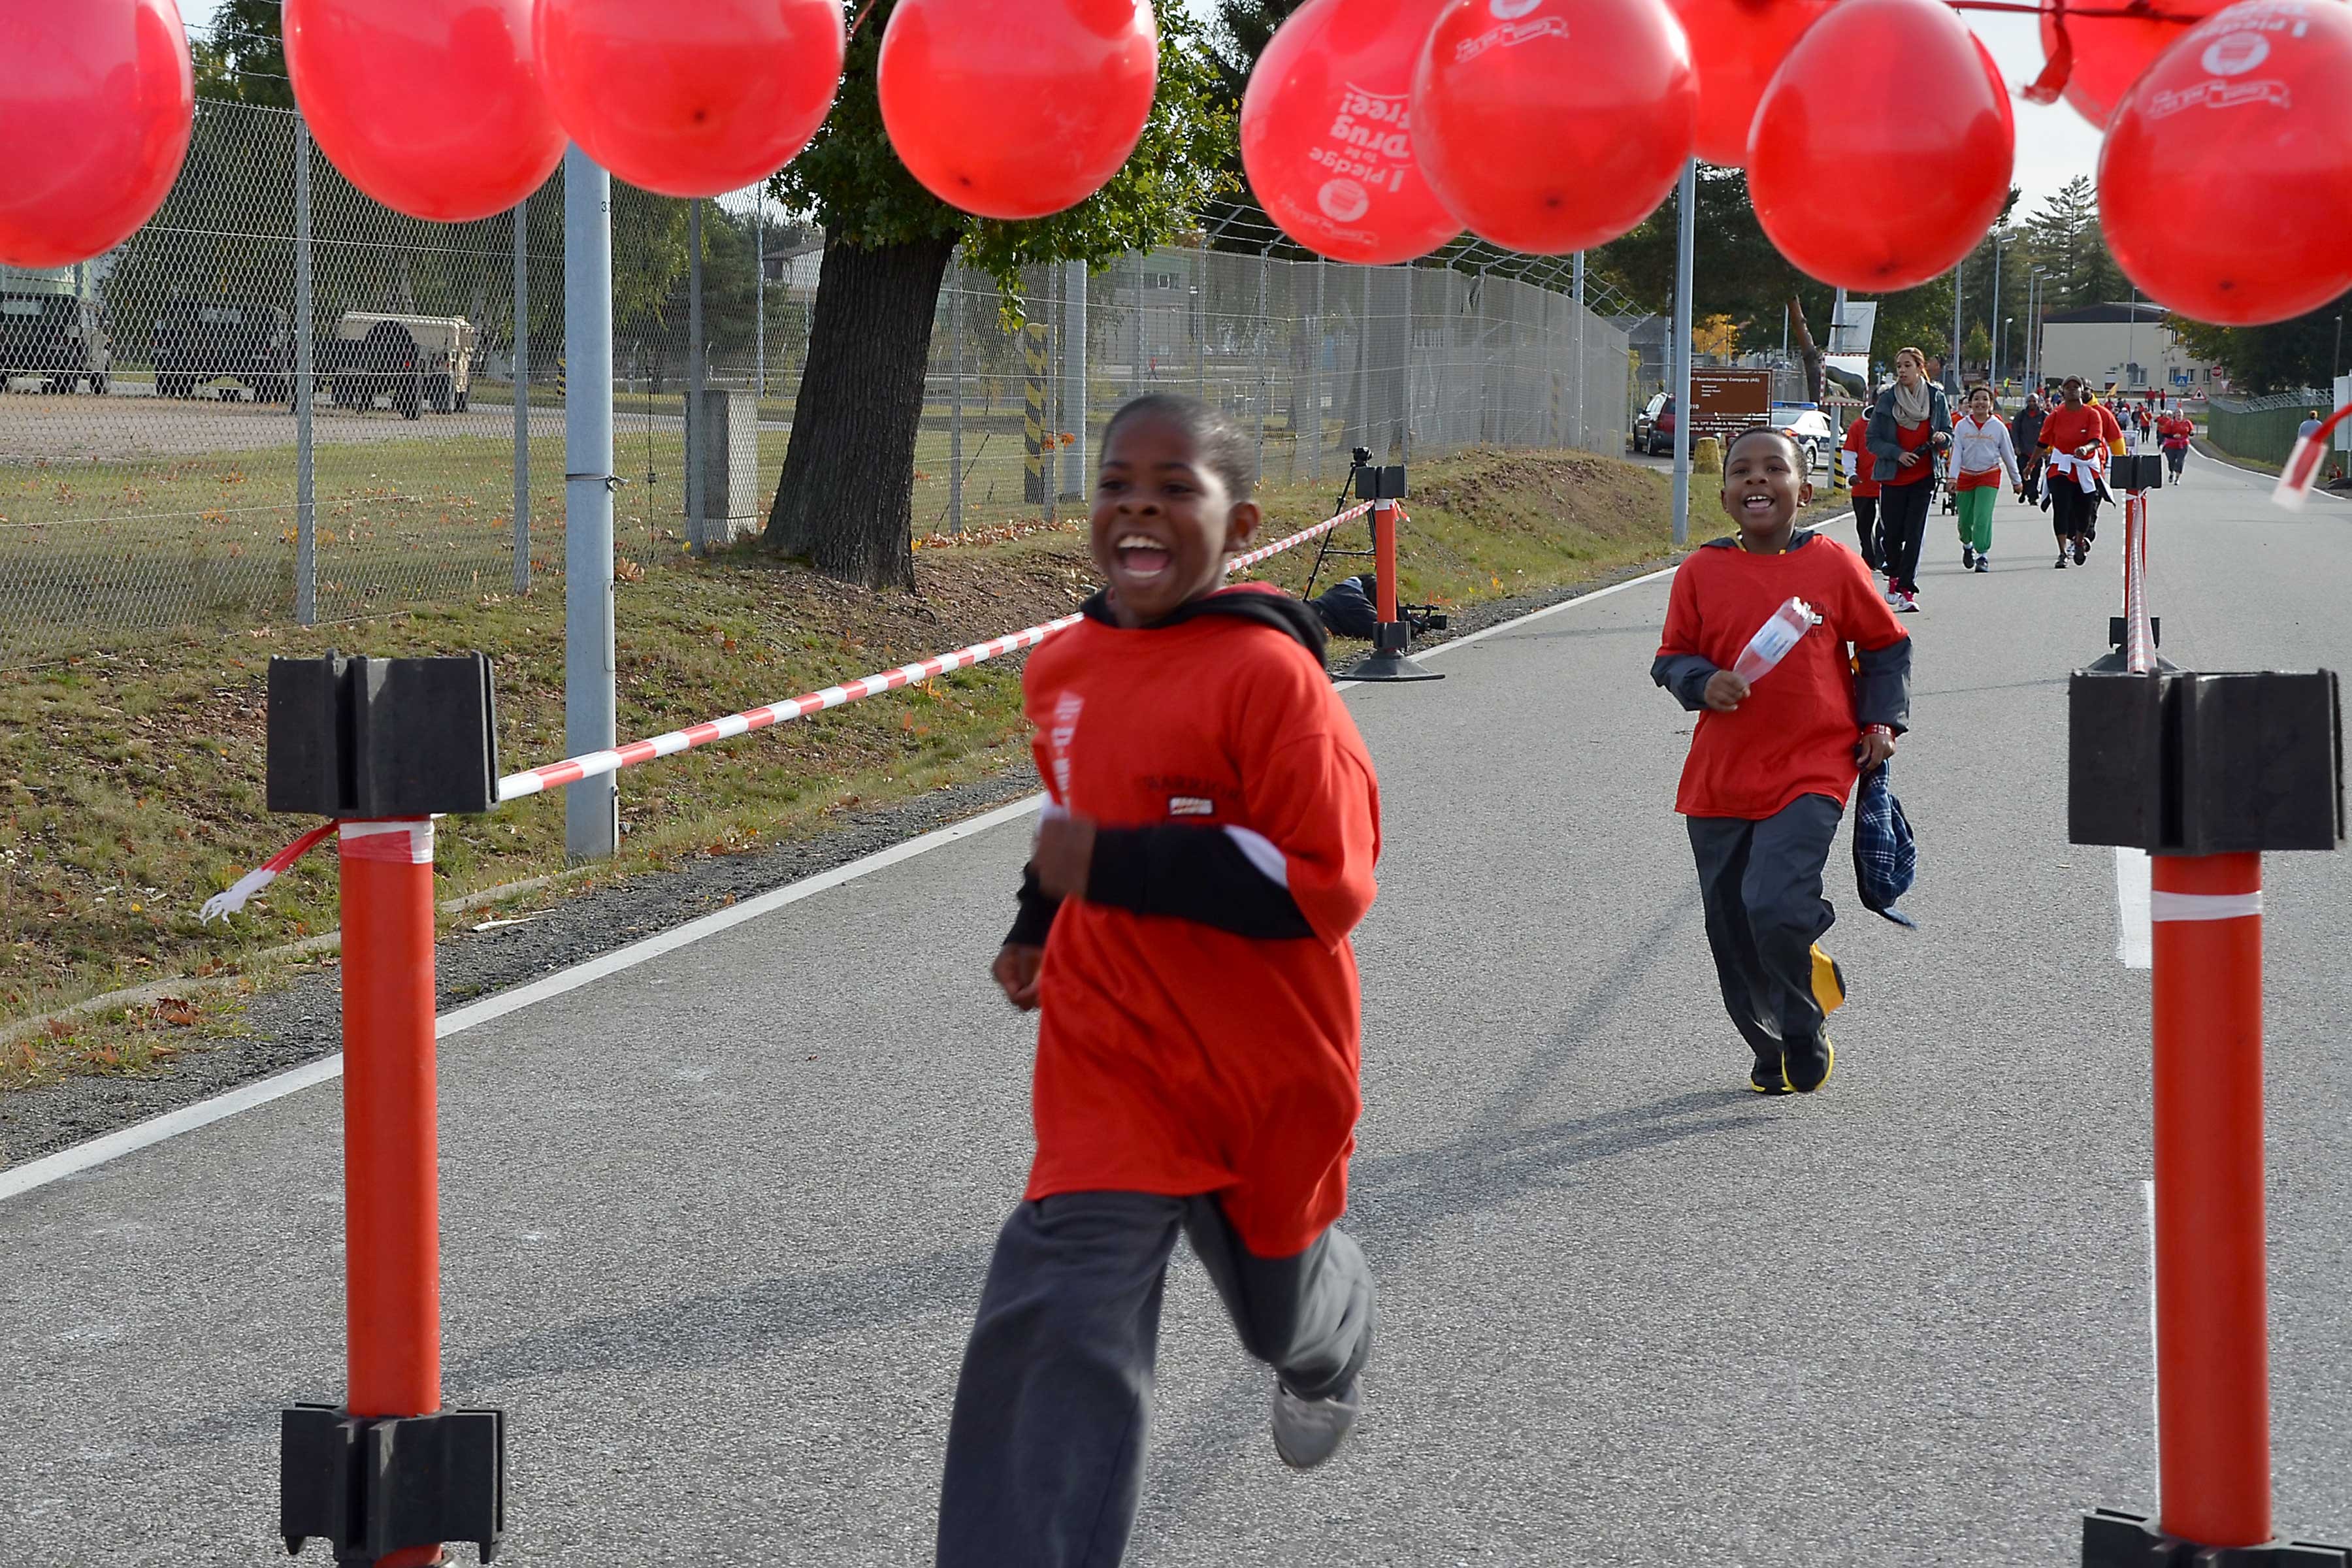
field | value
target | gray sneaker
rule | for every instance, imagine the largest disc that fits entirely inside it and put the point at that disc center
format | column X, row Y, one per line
column 1308, row 1431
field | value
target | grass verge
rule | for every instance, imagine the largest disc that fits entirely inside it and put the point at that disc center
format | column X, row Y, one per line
column 130, row 783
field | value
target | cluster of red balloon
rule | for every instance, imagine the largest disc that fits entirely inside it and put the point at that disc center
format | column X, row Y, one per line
column 1876, row 134
column 96, row 104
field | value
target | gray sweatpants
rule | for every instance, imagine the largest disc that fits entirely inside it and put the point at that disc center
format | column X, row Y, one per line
column 1760, row 883
column 1053, row 1411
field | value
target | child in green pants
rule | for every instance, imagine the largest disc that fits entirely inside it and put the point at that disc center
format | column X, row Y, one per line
column 1981, row 451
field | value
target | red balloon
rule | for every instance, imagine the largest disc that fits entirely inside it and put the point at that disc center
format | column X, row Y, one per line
column 1327, row 140
column 1738, row 45
column 1880, row 152
column 2225, row 184
column 1531, row 148
column 691, row 101
column 2111, row 52
column 1015, row 108
column 434, row 108
column 96, row 102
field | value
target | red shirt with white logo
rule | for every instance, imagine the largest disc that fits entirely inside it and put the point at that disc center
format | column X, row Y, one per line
column 1175, row 1057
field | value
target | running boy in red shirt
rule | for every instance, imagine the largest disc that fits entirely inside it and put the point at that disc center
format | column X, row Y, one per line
column 1208, row 844
column 1771, row 763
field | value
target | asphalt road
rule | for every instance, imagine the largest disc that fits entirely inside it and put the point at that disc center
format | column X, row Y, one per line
column 714, row 1224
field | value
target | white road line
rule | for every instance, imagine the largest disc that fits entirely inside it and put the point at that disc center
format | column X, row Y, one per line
column 2134, row 946
column 82, row 1157
column 98, row 1152
column 2266, row 479
column 2155, row 1401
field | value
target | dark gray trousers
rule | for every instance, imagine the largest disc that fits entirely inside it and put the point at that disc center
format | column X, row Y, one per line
column 1760, row 883
column 1053, row 1411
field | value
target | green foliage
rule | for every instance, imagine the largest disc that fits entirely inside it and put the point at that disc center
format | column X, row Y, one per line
column 245, row 58
column 852, row 182
column 2283, row 357
column 2064, row 238
column 1976, row 350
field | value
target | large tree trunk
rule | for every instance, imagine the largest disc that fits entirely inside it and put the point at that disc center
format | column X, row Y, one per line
column 1808, row 353
column 846, row 503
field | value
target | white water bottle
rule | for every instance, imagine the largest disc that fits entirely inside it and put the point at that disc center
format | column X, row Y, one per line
column 1773, row 640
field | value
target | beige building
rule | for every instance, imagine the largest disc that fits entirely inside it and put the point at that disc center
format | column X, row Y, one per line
column 2130, row 346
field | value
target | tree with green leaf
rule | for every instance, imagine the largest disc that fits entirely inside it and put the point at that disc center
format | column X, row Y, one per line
column 2285, row 356
column 846, row 500
column 245, row 58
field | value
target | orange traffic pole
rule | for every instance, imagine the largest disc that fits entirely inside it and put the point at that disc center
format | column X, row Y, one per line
column 1384, row 558
column 391, row 1145
column 2211, row 1327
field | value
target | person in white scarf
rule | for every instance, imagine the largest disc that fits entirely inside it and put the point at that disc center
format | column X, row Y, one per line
column 1909, row 425
column 1981, row 452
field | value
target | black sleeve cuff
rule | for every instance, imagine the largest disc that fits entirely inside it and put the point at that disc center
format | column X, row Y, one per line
column 1036, row 917
column 1196, row 874
column 1685, row 676
column 1882, row 686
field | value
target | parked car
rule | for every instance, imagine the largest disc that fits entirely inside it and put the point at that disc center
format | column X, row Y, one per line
column 56, row 337
column 416, row 362
column 220, row 339
column 1813, row 431
column 1653, row 428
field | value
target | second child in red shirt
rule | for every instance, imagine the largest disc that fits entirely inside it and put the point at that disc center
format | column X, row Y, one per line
column 1772, row 762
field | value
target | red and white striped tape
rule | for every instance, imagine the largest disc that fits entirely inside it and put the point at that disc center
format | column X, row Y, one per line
column 595, row 765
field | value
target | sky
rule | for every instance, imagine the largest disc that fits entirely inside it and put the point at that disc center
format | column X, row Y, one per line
column 2054, row 145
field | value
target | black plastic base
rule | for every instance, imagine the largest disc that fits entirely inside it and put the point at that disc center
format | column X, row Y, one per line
column 1389, row 660
column 369, row 1488
column 2112, row 1538
column 1388, row 666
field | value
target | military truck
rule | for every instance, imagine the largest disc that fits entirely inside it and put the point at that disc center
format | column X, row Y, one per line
column 203, row 339
column 412, row 361
column 48, row 332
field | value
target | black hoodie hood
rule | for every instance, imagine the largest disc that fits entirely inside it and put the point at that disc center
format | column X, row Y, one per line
column 1797, row 541
column 1261, row 603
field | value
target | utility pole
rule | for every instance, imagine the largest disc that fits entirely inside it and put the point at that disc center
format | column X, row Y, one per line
column 591, row 808
column 1685, row 250
column 759, row 297
column 1952, row 365
column 1997, row 238
column 1576, row 288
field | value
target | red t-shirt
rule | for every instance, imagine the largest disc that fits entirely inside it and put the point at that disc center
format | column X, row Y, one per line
column 2176, row 431
column 1857, row 441
column 1912, row 441
column 2069, row 429
column 1795, row 734
column 1174, row 1057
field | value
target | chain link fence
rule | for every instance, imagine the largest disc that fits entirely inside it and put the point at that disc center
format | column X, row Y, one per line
column 280, row 401
column 2263, row 429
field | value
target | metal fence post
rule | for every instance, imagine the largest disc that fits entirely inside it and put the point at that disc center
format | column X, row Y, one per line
column 1576, row 284
column 697, row 528
column 1073, row 377
column 1134, row 327
column 591, row 808
column 955, row 399
column 522, row 397
column 1685, row 241
column 759, row 297
column 1315, row 380
column 306, row 471
column 1264, row 327
column 1201, row 319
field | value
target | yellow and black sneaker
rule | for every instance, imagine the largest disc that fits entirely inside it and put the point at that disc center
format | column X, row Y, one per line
column 1767, row 1076
column 1805, row 1067
column 1829, row 981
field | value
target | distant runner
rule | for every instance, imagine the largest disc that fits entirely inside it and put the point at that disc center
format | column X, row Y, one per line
column 1910, row 428
column 1981, row 453
column 1856, row 455
column 2176, row 430
column 2077, row 439
column 2025, row 434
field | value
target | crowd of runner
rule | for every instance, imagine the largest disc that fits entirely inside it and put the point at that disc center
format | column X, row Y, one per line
column 1907, row 443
